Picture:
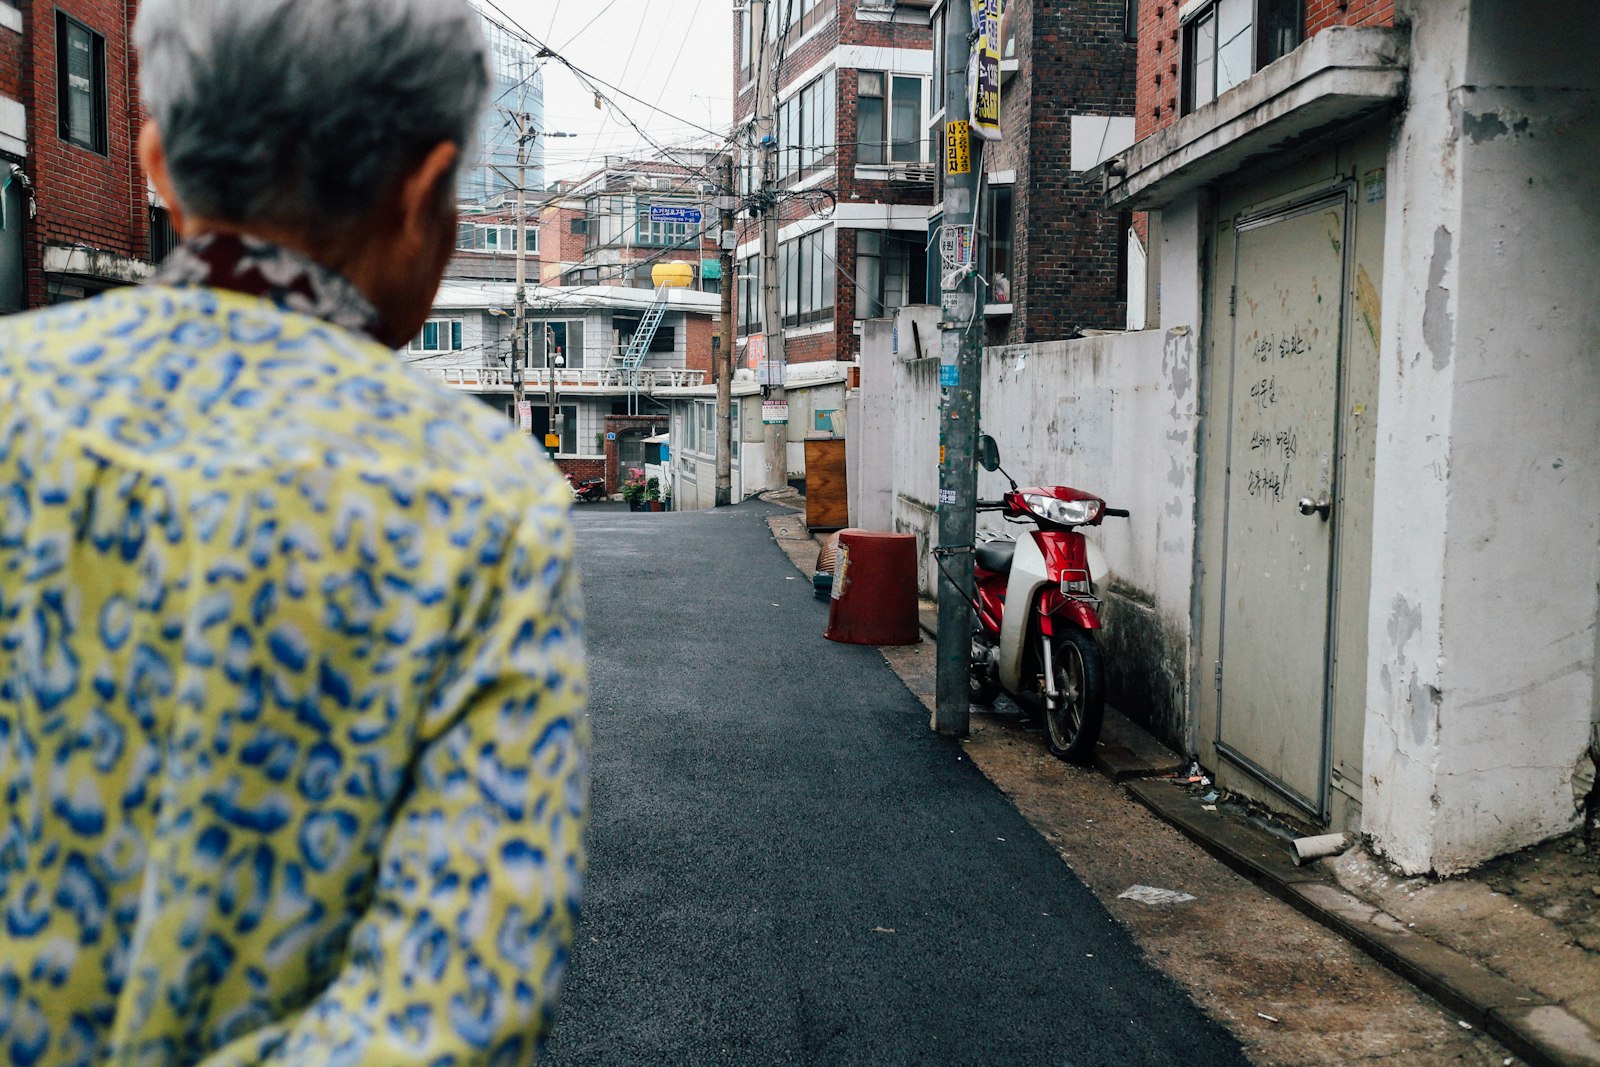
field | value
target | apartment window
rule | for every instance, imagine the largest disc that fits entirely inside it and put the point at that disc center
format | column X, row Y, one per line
column 438, row 335
column 1226, row 41
column 1130, row 20
column 805, row 127
column 889, row 122
column 81, row 83
column 795, row 18
column 564, row 338
column 891, row 272
column 492, row 237
column 749, row 293
column 997, row 203
column 805, row 279
column 658, row 234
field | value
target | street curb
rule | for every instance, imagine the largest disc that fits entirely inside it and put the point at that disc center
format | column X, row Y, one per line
column 1528, row 1023
column 1540, row 1031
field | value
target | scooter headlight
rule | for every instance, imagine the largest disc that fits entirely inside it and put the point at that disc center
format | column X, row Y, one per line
column 1062, row 512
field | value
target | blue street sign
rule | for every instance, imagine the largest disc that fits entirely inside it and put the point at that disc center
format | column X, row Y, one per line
column 666, row 213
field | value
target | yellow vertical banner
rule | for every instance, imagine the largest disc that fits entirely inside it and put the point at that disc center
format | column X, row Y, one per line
column 957, row 148
column 983, row 82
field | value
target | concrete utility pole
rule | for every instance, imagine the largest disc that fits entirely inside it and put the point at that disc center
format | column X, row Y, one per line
column 723, row 370
column 519, row 320
column 960, row 358
column 777, row 433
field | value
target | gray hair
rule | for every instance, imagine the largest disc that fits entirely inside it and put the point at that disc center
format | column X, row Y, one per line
column 303, row 112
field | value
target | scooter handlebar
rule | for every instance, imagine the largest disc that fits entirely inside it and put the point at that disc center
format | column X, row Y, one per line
column 990, row 505
column 1116, row 513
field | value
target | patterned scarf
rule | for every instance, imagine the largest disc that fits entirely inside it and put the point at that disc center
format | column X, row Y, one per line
column 290, row 280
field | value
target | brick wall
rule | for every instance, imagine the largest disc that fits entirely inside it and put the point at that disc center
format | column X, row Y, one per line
column 698, row 331
column 655, row 424
column 84, row 197
column 580, row 469
column 1321, row 14
column 13, row 62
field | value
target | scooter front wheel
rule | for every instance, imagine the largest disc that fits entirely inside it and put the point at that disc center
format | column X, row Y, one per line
column 1072, row 716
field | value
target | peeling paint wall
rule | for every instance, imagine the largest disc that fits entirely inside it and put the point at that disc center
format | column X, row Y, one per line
column 1112, row 415
column 1486, row 574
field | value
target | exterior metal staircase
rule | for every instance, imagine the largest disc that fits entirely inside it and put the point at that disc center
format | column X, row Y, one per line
column 634, row 354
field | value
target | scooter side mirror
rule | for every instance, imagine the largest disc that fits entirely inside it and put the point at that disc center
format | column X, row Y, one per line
column 988, row 453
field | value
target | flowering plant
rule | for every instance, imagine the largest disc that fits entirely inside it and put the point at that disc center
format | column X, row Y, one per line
column 633, row 486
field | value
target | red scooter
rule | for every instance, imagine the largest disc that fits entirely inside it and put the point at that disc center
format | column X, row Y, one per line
column 588, row 490
column 1042, row 650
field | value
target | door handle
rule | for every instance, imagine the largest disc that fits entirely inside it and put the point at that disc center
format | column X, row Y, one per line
column 1322, row 505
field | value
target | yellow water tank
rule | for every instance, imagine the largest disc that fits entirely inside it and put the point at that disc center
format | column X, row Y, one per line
column 678, row 273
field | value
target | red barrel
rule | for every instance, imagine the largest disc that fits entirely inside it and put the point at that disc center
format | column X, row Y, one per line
column 874, row 590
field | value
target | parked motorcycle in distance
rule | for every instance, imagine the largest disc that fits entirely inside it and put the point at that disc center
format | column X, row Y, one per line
column 1043, row 648
column 588, row 490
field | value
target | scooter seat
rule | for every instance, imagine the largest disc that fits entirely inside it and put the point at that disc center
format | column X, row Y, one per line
column 996, row 555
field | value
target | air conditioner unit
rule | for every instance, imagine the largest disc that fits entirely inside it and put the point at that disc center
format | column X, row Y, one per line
column 920, row 173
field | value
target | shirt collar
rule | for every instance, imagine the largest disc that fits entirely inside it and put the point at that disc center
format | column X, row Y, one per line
column 289, row 279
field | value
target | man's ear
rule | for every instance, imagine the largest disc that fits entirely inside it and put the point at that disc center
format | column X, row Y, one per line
column 153, row 158
column 423, row 190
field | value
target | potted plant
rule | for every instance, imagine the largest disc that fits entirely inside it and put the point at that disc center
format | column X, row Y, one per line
column 652, row 494
column 633, row 489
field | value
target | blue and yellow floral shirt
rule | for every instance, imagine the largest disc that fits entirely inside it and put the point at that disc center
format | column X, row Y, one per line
column 292, row 739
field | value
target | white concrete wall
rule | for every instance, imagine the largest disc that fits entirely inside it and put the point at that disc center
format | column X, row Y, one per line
column 1486, row 556
column 1112, row 415
column 870, row 445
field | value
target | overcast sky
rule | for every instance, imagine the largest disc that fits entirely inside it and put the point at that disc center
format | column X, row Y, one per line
column 673, row 55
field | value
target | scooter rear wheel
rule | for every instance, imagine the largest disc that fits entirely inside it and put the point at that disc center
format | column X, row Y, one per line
column 1072, row 720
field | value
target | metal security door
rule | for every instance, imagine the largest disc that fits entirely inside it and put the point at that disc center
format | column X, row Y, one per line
column 1273, row 676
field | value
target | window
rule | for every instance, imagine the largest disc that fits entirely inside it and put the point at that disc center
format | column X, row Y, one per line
column 439, row 335
column 891, row 272
column 493, row 237
column 805, row 127
column 1226, row 41
column 664, row 340
column 656, row 234
column 749, row 295
column 997, row 201
column 797, row 17
column 805, row 278
column 81, row 83
column 563, row 338
column 1130, row 20
column 889, row 129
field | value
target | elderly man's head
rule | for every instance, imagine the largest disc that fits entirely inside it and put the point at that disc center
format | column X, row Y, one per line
column 331, row 126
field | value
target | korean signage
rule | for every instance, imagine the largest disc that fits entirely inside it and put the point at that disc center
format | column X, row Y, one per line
column 983, row 81
column 775, row 412
column 525, row 416
column 957, row 148
column 668, row 213
column 755, row 350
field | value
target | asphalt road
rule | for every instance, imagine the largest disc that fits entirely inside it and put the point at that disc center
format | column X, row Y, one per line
column 789, row 867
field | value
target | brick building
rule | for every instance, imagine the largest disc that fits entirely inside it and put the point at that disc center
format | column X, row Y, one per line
column 77, row 216
column 1054, row 259
column 856, row 168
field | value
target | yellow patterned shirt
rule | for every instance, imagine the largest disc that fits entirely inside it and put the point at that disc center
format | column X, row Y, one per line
column 292, row 739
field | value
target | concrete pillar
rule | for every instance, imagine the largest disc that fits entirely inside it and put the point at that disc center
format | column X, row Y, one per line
column 1486, row 553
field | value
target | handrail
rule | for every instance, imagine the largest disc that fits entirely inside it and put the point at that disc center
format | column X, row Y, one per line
column 498, row 379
